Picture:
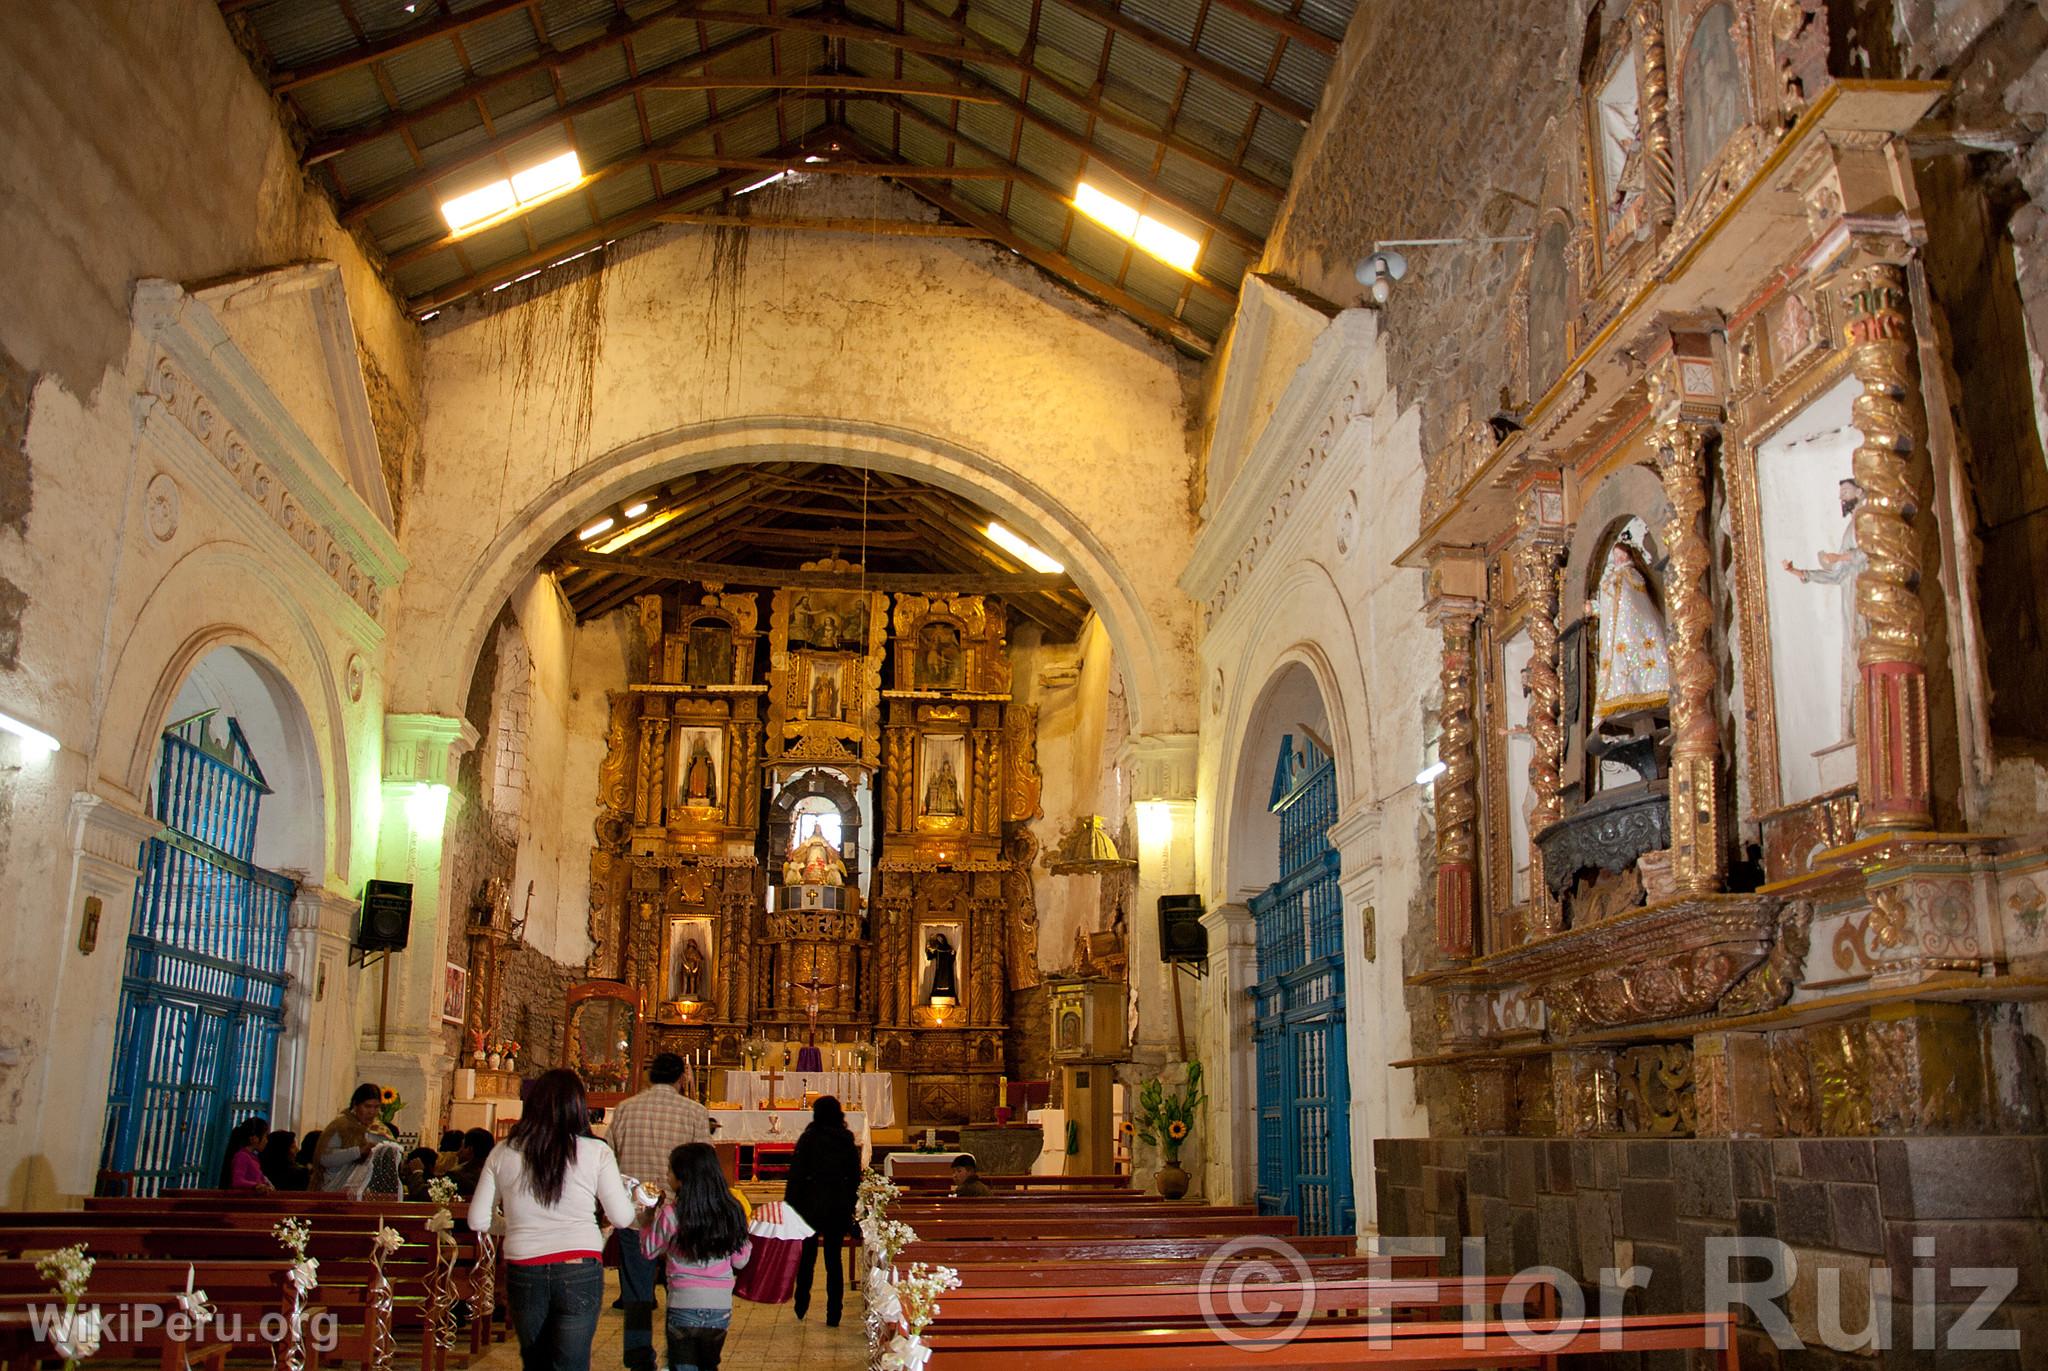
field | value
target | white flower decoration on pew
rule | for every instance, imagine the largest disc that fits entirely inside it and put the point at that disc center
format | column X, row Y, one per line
column 442, row 1190
column 76, row 1334
column 194, row 1302
column 905, row 1353
column 68, row 1268
column 886, row 1239
column 304, row 1275
column 387, row 1239
column 871, row 1202
column 294, row 1234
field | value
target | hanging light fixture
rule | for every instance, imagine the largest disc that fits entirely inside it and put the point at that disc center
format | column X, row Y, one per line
column 1086, row 849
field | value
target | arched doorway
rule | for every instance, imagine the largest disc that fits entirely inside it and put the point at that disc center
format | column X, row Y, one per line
column 203, row 991
column 1303, row 1095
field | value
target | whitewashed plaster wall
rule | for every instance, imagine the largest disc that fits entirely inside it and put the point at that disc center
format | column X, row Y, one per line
column 1294, row 570
column 183, row 510
column 937, row 358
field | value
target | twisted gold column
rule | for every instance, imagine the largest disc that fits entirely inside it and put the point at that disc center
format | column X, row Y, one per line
column 1892, row 744
column 1653, row 101
column 1457, row 796
column 1696, row 855
column 1539, row 562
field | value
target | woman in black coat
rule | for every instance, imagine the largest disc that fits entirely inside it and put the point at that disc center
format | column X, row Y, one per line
column 824, row 1181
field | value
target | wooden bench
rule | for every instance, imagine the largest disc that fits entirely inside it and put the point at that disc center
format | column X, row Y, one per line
column 974, row 1228
column 422, row 1290
column 1385, row 1346
column 478, row 1277
column 21, row 1347
column 912, row 1183
column 979, row 1308
column 249, row 1299
column 1001, row 1273
column 1045, row 1251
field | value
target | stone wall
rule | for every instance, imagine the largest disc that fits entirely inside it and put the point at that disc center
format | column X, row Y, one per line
column 1856, row 1206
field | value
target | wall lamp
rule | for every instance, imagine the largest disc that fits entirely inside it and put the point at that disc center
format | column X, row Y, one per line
column 1383, row 266
column 34, row 742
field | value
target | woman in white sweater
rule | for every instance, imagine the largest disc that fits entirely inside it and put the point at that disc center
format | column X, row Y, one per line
column 552, row 1178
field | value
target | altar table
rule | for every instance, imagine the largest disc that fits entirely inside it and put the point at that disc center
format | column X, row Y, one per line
column 871, row 1092
column 752, row 1126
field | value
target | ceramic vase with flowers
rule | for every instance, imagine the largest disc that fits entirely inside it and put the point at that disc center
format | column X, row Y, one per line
column 1165, row 1119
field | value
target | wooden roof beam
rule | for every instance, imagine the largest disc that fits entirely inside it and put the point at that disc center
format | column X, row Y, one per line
column 828, row 81
column 968, row 583
column 1047, row 188
column 1092, row 104
column 1288, row 27
column 292, row 78
column 619, row 33
column 1227, row 77
column 895, row 171
column 562, row 117
column 1137, row 176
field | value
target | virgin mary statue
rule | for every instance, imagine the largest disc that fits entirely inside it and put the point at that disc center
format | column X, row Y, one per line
column 1633, row 672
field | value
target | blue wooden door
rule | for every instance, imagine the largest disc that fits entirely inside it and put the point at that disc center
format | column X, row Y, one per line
column 1304, row 1086
column 202, row 989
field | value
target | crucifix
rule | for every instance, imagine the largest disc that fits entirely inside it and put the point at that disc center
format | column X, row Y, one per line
column 813, row 989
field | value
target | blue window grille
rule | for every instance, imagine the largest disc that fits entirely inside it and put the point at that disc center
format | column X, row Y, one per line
column 1304, row 1086
column 202, row 991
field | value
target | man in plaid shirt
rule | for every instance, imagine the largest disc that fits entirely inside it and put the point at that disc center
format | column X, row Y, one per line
column 644, row 1130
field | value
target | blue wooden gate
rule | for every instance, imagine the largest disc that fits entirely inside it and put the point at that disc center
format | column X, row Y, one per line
column 202, row 994
column 1298, row 1032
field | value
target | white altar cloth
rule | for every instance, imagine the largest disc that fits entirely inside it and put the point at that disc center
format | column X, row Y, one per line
column 871, row 1092
column 753, row 1126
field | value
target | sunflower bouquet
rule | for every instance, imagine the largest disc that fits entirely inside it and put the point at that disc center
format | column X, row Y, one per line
column 388, row 1105
column 1166, row 1117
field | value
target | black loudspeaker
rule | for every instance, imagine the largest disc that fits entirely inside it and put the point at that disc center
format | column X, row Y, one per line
column 1181, row 935
column 387, row 916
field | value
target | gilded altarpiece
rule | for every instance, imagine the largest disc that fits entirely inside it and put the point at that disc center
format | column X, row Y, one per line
column 789, row 851
column 1692, row 875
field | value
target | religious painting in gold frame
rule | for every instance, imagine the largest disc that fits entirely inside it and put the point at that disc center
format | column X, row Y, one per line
column 949, row 644
column 825, row 658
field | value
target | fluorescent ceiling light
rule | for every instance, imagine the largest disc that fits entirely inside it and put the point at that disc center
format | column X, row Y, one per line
column 478, row 205
column 1155, row 236
column 600, row 526
column 33, row 740
column 634, row 511
column 636, row 532
column 523, row 189
column 1431, row 772
column 1022, row 550
column 764, row 181
column 543, row 178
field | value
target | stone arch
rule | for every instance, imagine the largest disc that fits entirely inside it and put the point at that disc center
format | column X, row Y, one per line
column 1315, row 635
column 175, row 628
column 1035, row 512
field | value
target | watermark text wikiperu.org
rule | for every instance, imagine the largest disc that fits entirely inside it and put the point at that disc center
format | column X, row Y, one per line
column 1928, row 1307
column 94, row 1322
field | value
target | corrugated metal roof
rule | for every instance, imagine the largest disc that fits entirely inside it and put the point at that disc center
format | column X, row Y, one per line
column 371, row 91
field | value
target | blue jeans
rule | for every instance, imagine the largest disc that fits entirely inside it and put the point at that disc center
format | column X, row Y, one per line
column 638, row 1276
column 696, row 1338
column 554, row 1311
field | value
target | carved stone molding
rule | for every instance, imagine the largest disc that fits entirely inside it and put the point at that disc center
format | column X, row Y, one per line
column 423, row 749
column 1329, row 397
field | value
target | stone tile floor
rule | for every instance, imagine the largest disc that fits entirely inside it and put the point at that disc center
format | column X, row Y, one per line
column 764, row 1338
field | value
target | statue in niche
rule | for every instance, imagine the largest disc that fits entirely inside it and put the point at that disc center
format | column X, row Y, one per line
column 1839, row 569
column 1618, row 112
column 700, row 777
column 938, row 664
column 942, row 793
column 813, row 862
column 938, row 950
column 690, row 971
column 1632, row 665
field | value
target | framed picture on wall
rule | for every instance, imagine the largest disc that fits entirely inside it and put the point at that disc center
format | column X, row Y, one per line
column 455, row 994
